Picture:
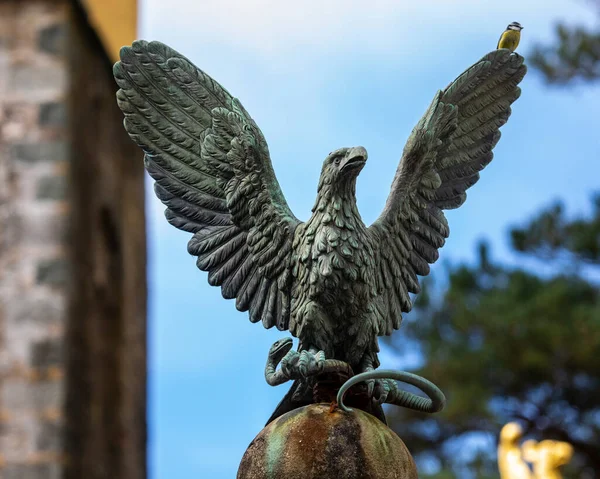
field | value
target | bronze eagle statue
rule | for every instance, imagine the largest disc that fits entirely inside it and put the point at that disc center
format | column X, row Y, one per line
column 333, row 282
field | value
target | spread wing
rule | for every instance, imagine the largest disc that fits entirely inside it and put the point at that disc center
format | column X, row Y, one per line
column 441, row 160
column 213, row 172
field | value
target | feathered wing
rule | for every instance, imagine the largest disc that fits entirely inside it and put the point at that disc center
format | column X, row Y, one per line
column 213, row 172
column 441, row 160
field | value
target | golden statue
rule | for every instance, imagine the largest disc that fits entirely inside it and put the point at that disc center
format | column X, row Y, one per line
column 546, row 457
column 510, row 458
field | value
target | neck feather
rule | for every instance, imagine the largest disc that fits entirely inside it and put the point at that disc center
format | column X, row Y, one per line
column 337, row 200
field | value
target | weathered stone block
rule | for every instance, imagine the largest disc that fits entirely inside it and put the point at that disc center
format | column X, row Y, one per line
column 42, row 151
column 53, row 114
column 53, row 39
column 38, row 82
column 51, row 188
column 16, row 394
column 17, row 120
column 46, row 353
column 49, row 437
column 39, row 308
column 22, row 394
column 31, row 471
column 54, row 272
column 42, row 226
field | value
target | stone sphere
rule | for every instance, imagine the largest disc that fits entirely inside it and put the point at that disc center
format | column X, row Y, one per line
column 314, row 443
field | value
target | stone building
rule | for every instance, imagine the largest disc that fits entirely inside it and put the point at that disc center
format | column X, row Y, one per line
column 72, row 247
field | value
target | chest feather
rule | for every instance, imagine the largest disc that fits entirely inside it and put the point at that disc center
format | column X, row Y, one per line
column 334, row 259
column 509, row 39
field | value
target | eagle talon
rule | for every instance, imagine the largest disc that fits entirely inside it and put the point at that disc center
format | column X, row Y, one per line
column 311, row 362
column 370, row 387
column 382, row 389
column 320, row 358
column 289, row 364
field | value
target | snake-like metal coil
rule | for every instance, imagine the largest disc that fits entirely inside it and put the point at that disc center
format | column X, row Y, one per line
column 434, row 403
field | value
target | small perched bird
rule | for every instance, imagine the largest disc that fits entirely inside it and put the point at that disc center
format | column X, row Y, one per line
column 510, row 37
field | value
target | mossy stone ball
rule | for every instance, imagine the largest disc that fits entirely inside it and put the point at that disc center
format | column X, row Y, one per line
column 314, row 442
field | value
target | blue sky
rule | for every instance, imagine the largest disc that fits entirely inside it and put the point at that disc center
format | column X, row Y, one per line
column 318, row 75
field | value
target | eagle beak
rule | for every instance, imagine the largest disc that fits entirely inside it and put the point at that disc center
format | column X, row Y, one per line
column 355, row 159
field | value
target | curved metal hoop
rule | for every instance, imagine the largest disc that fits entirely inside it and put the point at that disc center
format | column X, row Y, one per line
column 434, row 403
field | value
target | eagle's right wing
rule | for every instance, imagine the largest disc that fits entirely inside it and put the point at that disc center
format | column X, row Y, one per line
column 213, row 172
column 442, row 158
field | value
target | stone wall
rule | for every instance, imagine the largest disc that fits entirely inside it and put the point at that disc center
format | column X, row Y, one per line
column 34, row 159
column 72, row 255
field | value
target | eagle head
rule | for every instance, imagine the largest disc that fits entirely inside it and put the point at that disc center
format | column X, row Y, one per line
column 342, row 166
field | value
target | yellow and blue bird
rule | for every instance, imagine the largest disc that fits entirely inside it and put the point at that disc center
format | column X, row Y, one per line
column 510, row 37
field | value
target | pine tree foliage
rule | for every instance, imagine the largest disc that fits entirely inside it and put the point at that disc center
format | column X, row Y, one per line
column 508, row 344
column 574, row 55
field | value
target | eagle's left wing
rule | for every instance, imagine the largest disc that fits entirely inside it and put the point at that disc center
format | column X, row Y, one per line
column 441, row 160
column 213, row 171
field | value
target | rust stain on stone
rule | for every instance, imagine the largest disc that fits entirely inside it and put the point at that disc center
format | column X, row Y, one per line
column 382, row 446
column 308, row 431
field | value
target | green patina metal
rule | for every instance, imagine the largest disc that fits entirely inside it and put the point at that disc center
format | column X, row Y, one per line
column 333, row 282
column 274, row 450
column 434, row 403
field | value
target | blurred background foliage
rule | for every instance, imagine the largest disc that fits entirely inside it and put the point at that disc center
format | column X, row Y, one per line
column 575, row 54
column 516, row 343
